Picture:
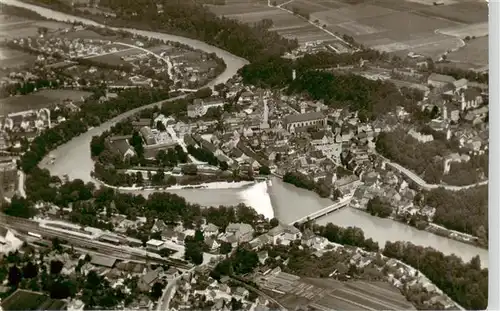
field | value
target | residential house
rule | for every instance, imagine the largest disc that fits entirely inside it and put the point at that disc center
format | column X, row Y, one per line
column 283, row 234
column 263, row 255
column 460, row 84
column 212, row 244
column 168, row 235
column 210, row 230
column 477, row 115
column 8, row 242
column 260, row 241
column 347, row 184
column 325, row 142
column 243, row 232
column 120, row 145
column 147, row 135
column 196, row 109
column 172, row 273
column 103, row 261
column 147, row 281
column 142, row 122
column 158, row 226
column 240, row 293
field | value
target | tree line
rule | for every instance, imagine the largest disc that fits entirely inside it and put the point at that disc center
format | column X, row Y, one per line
column 465, row 283
column 321, row 187
column 427, row 159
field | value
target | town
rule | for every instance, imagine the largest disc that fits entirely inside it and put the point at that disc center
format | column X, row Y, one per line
column 109, row 141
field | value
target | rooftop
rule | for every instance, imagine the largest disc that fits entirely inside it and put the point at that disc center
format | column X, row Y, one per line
column 104, row 261
column 303, row 117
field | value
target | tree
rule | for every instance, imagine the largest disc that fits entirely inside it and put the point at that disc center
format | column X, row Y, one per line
column 15, row 276
column 223, row 166
column 377, row 207
column 264, row 170
column 225, row 248
column 97, row 145
column 236, row 305
column 56, row 245
column 19, row 207
column 157, row 291
column 193, row 251
column 136, row 142
column 198, row 236
column 203, row 93
column 56, row 267
column 160, row 126
column 30, row 270
column 274, row 222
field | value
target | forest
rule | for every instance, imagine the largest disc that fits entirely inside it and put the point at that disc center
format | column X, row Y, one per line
column 370, row 98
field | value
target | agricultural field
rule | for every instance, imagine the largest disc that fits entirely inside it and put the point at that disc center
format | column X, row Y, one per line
column 474, row 53
column 12, row 27
column 395, row 26
column 85, row 34
column 39, row 100
column 285, row 23
column 10, row 59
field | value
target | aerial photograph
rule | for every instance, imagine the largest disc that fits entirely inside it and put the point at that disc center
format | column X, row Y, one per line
column 248, row 155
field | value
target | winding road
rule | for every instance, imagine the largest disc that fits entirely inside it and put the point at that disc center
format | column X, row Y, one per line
column 73, row 158
column 167, row 61
column 422, row 183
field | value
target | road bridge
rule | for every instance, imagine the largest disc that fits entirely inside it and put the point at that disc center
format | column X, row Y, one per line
column 324, row 211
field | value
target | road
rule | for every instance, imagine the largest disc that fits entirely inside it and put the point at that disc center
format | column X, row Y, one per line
column 168, row 294
column 170, row 66
column 422, row 183
column 21, row 177
column 181, row 143
column 107, row 53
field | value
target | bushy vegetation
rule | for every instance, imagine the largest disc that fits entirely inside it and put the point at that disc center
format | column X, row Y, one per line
column 321, row 187
column 465, row 283
column 464, row 211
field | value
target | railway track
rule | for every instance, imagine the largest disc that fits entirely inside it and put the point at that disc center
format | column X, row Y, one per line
column 27, row 225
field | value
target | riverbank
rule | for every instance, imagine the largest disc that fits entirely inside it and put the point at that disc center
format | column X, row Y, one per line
column 437, row 230
column 206, row 186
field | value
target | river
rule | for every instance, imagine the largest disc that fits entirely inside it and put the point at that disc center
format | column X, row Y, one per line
column 288, row 203
column 284, row 201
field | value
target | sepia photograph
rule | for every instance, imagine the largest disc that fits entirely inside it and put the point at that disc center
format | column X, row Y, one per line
column 248, row 155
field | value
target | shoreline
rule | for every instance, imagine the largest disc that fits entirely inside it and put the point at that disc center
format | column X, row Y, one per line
column 437, row 230
column 254, row 194
column 431, row 227
column 203, row 186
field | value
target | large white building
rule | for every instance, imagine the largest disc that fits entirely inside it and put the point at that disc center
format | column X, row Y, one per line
column 8, row 242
